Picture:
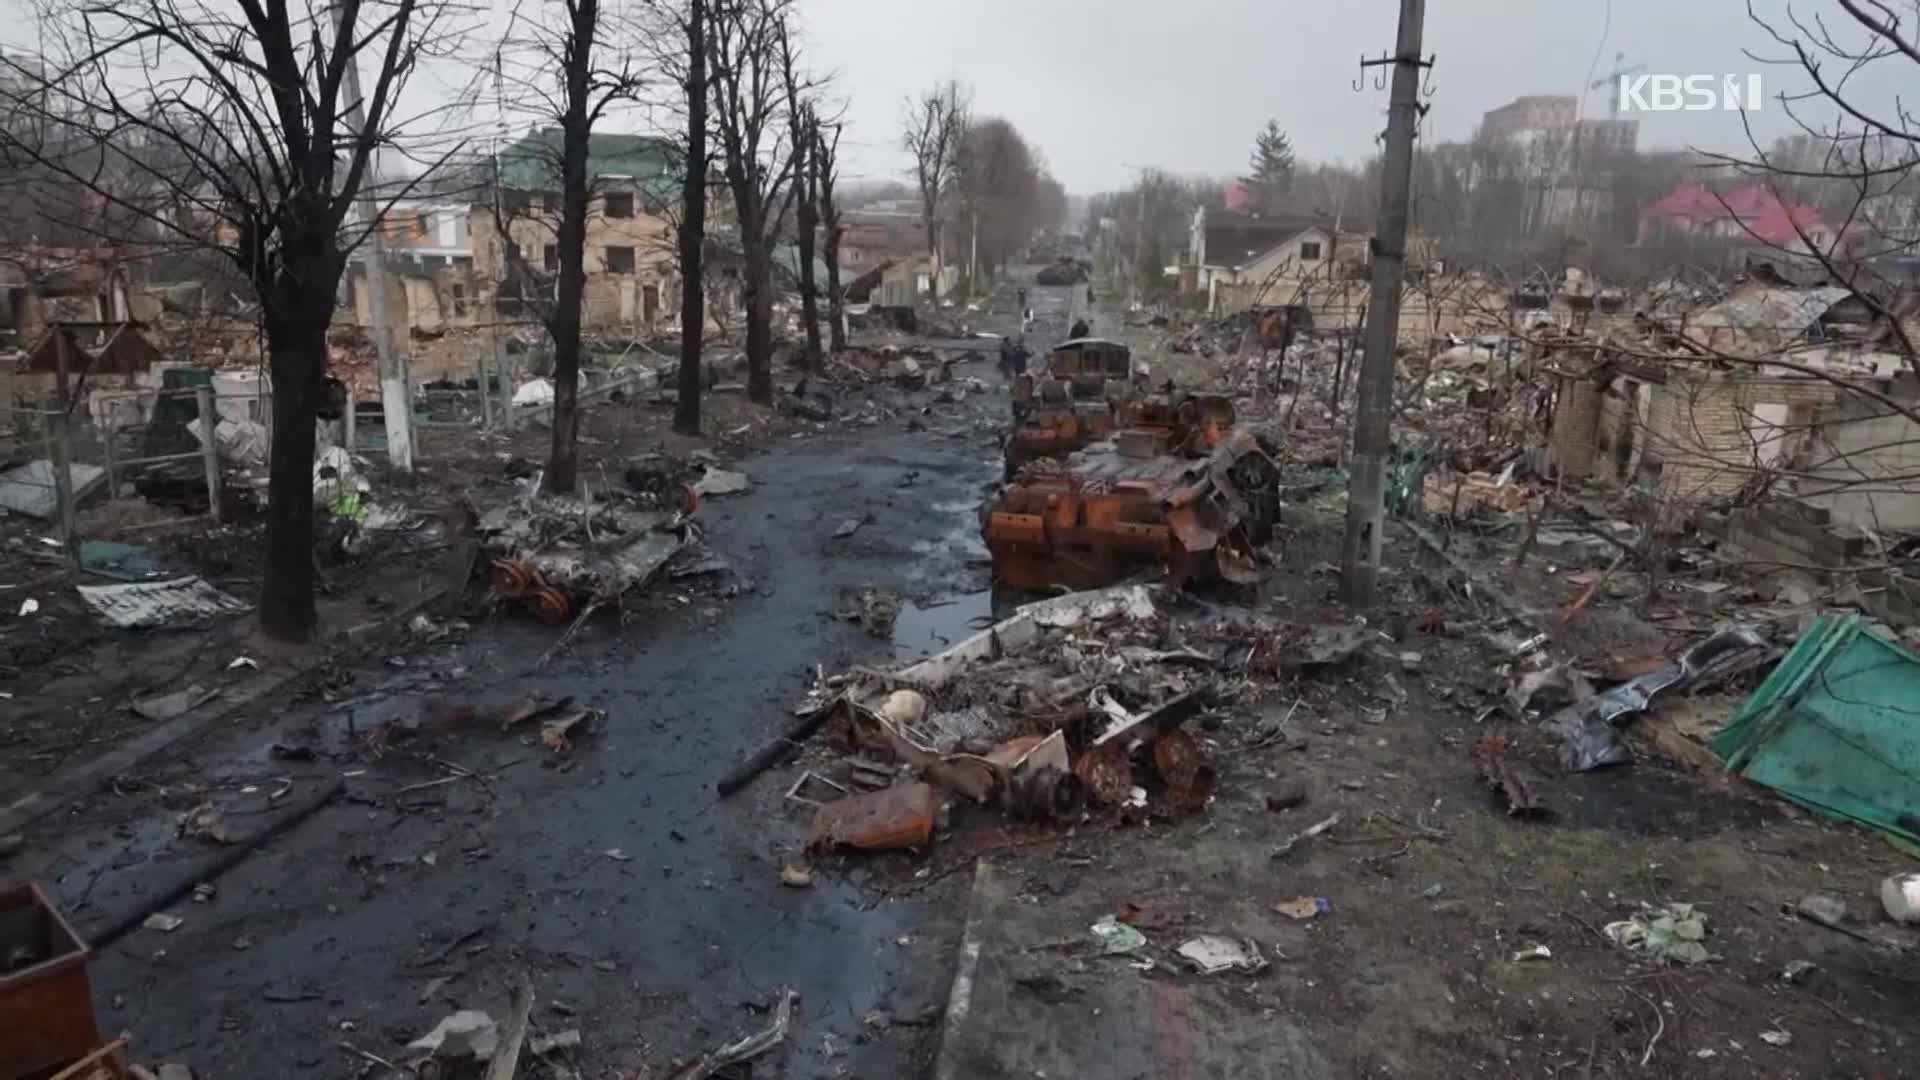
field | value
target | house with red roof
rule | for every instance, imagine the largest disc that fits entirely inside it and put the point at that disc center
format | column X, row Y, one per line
column 1752, row 214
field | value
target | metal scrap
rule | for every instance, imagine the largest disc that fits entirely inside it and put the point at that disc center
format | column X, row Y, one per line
column 1490, row 759
column 1589, row 730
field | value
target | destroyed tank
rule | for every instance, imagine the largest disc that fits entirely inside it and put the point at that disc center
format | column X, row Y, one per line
column 1178, row 488
column 1069, row 403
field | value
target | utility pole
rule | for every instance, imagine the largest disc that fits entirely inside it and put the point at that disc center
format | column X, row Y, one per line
column 396, row 397
column 1373, row 412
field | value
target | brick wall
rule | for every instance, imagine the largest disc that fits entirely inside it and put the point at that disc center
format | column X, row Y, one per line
column 1698, row 428
column 1576, row 424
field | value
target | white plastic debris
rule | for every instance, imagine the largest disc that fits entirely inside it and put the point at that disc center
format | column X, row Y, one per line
column 1900, row 895
column 534, row 392
column 29, row 606
column 1777, row 1038
column 163, row 922
column 721, row 482
column 1213, row 954
column 468, row 1033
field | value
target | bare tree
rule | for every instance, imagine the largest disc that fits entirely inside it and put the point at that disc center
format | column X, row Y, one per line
column 825, row 158
column 270, row 137
column 745, row 46
column 693, row 222
column 568, row 70
column 801, row 122
column 935, row 124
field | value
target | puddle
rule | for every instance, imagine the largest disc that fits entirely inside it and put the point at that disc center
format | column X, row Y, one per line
column 922, row 631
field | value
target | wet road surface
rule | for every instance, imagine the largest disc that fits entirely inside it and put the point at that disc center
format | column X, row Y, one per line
column 647, row 912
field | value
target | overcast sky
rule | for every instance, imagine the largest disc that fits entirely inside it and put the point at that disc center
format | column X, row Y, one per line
column 1101, row 86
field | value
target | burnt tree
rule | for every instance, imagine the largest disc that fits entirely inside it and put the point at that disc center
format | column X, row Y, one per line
column 745, row 43
column 569, row 71
column 825, row 139
column 693, row 222
column 267, row 146
column 800, row 123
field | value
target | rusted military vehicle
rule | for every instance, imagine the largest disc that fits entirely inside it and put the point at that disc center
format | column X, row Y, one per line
column 1176, row 487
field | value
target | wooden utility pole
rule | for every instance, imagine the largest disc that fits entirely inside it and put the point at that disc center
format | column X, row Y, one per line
column 396, row 389
column 1373, row 411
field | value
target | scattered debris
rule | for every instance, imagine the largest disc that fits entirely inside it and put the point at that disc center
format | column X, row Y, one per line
column 1286, row 846
column 135, row 605
column 1304, row 907
column 796, row 875
column 542, row 1045
column 1589, row 730
column 558, row 733
column 716, row 481
column 1532, row 952
column 1900, row 896
column 1490, row 760
column 901, row 816
column 247, row 662
column 29, row 606
column 1212, row 954
column 1672, row 932
column 747, row 1048
column 163, row 922
column 617, row 855
column 874, row 609
column 848, row 528
column 1828, row 911
column 467, row 1035
column 204, row 822
column 29, row 489
column 1777, row 1037
column 1117, row 938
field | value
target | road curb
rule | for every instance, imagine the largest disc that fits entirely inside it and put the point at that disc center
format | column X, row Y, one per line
column 960, row 996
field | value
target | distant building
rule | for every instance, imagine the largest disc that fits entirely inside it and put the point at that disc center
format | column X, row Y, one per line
column 1751, row 214
column 1556, row 118
column 1561, row 155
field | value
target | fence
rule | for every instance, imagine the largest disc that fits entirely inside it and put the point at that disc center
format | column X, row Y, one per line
column 141, row 442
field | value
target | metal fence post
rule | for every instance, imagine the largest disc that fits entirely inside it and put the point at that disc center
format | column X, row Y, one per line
column 210, row 447
column 503, row 362
column 60, row 456
column 348, row 420
column 486, row 391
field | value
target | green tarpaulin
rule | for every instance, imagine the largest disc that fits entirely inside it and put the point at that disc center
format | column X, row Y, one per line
column 1836, row 727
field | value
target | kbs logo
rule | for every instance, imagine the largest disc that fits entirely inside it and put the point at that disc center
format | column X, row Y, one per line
column 1690, row 93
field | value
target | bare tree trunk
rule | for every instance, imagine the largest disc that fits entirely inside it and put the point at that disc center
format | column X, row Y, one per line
column 297, row 357
column 571, row 239
column 756, row 295
column 933, row 252
column 805, row 213
column 693, row 228
column 836, row 319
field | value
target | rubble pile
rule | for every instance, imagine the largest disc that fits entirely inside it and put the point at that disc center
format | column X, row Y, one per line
column 1071, row 706
column 557, row 555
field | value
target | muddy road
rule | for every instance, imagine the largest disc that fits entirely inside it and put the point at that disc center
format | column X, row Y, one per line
column 648, row 913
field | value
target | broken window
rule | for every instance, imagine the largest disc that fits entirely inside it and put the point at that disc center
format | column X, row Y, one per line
column 620, row 260
column 516, row 203
column 459, row 300
column 619, row 204
column 550, row 258
column 550, row 202
column 1309, row 250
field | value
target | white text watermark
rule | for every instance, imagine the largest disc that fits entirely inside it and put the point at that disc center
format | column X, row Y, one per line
column 1690, row 93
